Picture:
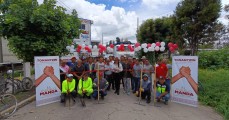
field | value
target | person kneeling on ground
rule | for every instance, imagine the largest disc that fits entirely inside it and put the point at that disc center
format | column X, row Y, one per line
column 103, row 84
column 68, row 88
column 162, row 90
column 145, row 89
column 85, row 86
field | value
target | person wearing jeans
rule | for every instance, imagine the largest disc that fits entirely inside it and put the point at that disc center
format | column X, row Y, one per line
column 127, row 76
column 137, row 74
column 145, row 88
column 103, row 84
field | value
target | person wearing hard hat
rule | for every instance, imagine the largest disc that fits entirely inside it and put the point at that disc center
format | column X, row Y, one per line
column 68, row 88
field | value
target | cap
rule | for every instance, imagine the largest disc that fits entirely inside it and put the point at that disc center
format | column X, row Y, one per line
column 145, row 75
column 69, row 75
column 101, row 73
column 73, row 58
column 161, row 77
column 143, row 57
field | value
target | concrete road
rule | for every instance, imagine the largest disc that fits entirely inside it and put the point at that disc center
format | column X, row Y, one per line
column 115, row 107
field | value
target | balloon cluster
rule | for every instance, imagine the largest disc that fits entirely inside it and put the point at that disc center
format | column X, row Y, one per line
column 110, row 49
column 158, row 46
column 172, row 47
column 79, row 48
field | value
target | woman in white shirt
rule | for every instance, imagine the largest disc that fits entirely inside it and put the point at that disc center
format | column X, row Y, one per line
column 117, row 69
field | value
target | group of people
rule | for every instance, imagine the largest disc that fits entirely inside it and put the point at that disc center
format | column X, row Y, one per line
column 84, row 78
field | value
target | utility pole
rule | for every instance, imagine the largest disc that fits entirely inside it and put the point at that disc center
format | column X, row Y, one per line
column 102, row 38
column 1, row 51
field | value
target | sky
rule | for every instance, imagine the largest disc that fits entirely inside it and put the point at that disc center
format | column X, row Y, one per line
column 118, row 18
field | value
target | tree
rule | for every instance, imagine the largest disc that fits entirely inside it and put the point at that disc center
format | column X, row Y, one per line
column 37, row 30
column 154, row 30
column 195, row 19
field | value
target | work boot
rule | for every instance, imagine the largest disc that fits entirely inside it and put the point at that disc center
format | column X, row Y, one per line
column 166, row 102
column 148, row 101
column 102, row 97
column 88, row 97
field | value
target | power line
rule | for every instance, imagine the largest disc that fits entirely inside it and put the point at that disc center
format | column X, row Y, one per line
column 62, row 3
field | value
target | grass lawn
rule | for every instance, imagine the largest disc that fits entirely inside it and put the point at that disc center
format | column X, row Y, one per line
column 216, row 90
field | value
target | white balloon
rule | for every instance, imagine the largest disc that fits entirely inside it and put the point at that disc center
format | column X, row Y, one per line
column 153, row 45
column 83, row 45
column 144, row 45
column 90, row 46
column 72, row 50
column 139, row 48
column 150, row 49
column 145, row 50
column 162, row 49
column 157, row 48
column 95, row 47
column 162, row 44
column 72, row 46
column 136, row 49
column 68, row 48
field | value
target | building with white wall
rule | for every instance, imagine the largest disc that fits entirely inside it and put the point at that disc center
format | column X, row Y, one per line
column 85, row 35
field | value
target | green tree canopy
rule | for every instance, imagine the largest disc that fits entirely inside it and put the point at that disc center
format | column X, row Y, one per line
column 195, row 19
column 37, row 30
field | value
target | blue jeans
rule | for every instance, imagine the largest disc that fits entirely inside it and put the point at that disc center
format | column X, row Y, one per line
column 136, row 83
column 166, row 97
column 95, row 94
column 168, row 81
column 127, row 84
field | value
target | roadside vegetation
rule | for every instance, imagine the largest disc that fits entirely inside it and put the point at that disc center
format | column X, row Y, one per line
column 214, row 76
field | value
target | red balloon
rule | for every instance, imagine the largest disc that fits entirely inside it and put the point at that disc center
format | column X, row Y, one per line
column 158, row 43
column 104, row 48
column 89, row 50
column 100, row 51
column 175, row 46
column 129, row 47
column 137, row 44
column 148, row 45
column 86, row 48
column 100, row 45
column 132, row 49
column 171, row 49
column 111, row 46
column 79, row 47
column 170, row 44
column 78, row 50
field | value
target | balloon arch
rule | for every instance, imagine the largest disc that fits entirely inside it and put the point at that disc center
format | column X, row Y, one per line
column 150, row 47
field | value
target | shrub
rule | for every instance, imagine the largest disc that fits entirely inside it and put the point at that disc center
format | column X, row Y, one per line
column 214, row 59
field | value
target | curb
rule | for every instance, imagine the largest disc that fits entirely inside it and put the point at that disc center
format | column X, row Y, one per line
column 21, row 104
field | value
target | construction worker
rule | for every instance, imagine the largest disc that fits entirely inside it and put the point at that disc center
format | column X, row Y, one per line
column 85, row 86
column 162, row 90
column 68, row 88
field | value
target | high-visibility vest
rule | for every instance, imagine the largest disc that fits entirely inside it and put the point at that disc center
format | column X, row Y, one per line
column 161, row 88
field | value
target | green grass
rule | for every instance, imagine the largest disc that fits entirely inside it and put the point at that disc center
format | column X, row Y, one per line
column 216, row 90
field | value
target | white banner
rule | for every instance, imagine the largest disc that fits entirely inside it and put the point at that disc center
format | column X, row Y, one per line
column 185, row 80
column 47, row 79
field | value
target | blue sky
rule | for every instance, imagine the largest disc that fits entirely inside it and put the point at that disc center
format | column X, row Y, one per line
column 127, row 4
column 118, row 18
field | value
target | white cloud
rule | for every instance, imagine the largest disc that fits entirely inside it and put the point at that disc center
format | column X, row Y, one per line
column 154, row 4
column 117, row 22
column 113, row 23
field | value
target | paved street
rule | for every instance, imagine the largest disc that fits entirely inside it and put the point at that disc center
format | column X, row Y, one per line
column 114, row 107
